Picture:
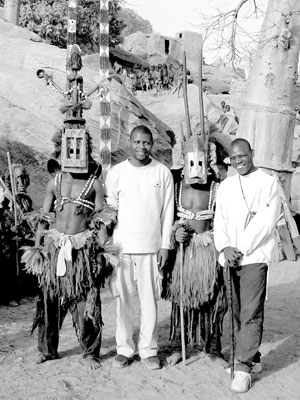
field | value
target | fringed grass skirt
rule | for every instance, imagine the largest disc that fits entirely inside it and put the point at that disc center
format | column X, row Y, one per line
column 84, row 275
column 199, row 272
column 204, row 295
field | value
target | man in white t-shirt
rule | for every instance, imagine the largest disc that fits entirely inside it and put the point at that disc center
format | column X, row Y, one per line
column 142, row 191
column 247, row 210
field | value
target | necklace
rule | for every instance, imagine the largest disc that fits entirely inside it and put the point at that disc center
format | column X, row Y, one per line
column 199, row 215
column 250, row 214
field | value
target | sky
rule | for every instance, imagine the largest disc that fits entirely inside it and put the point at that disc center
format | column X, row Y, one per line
column 171, row 16
column 166, row 16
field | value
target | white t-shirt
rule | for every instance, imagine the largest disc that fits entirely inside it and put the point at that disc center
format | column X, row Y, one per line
column 257, row 241
column 144, row 198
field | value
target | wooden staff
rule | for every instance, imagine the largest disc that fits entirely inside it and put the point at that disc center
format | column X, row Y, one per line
column 13, row 190
column 231, row 320
column 182, row 330
column 185, row 98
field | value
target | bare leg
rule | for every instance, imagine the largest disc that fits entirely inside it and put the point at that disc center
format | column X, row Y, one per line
column 92, row 362
column 174, row 358
column 175, row 335
column 219, row 361
column 180, row 87
column 88, row 334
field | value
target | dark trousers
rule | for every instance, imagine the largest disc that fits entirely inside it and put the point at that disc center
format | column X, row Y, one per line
column 248, row 297
column 50, row 317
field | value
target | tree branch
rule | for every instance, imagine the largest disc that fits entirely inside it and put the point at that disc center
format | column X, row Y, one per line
column 227, row 26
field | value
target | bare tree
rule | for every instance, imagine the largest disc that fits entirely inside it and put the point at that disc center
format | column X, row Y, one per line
column 268, row 116
column 229, row 30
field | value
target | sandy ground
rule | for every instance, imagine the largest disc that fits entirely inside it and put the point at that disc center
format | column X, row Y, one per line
column 68, row 379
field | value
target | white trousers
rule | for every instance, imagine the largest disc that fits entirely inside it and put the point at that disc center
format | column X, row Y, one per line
column 137, row 273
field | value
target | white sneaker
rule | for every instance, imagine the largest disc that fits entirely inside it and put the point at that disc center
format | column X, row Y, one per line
column 241, row 382
column 256, row 368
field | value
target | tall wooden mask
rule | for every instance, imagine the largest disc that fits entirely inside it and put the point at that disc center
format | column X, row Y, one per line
column 74, row 151
column 195, row 161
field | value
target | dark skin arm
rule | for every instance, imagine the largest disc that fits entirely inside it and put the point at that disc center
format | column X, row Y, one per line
column 232, row 256
column 162, row 259
column 48, row 201
column 99, row 195
column 49, row 197
column 99, row 204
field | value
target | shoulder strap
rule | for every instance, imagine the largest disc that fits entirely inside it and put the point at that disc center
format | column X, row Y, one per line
column 57, row 184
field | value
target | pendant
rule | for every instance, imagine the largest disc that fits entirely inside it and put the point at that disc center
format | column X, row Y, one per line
column 249, row 217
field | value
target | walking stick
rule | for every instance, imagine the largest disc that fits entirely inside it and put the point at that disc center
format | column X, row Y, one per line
column 13, row 191
column 181, row 306
column 231, row 321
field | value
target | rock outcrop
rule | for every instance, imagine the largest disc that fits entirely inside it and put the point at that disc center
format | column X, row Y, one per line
column 30, row 110
column 167, row 107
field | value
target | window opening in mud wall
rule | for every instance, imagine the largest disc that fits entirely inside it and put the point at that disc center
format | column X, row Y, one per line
column 167, row 46
column 180, row 35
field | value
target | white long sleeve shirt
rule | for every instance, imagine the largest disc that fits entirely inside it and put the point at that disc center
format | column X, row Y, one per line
column 257, row 241
column 144, row 198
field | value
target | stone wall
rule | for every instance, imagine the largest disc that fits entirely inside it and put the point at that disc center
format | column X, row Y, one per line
column 191, row 42
column 154, row 44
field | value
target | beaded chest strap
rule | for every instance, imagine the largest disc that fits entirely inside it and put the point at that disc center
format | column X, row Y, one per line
column 199, row 215
column 80, row 200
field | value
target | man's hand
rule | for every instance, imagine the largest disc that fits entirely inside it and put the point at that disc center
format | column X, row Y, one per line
column 181, row 234
column 162, row 259
column 232, row 256
column 102, row 235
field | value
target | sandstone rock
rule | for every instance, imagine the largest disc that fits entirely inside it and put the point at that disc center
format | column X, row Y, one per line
column 168, row 108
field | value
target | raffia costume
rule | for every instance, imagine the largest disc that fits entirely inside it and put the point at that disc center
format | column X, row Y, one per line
column 71, row 269
column 203, row 296
column 14, row 283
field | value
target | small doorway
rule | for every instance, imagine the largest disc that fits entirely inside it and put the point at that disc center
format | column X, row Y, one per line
column 167, row 46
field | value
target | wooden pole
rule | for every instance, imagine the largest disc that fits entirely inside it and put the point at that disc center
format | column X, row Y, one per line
column 182, row 327
column 13, row 190
column 105, row 105
column 8, row 193
column 201, row 106
column 185, row 98
column 71, row 31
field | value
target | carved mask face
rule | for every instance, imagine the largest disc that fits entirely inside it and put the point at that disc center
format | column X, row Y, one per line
column 195, row 161
column 74, row 156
